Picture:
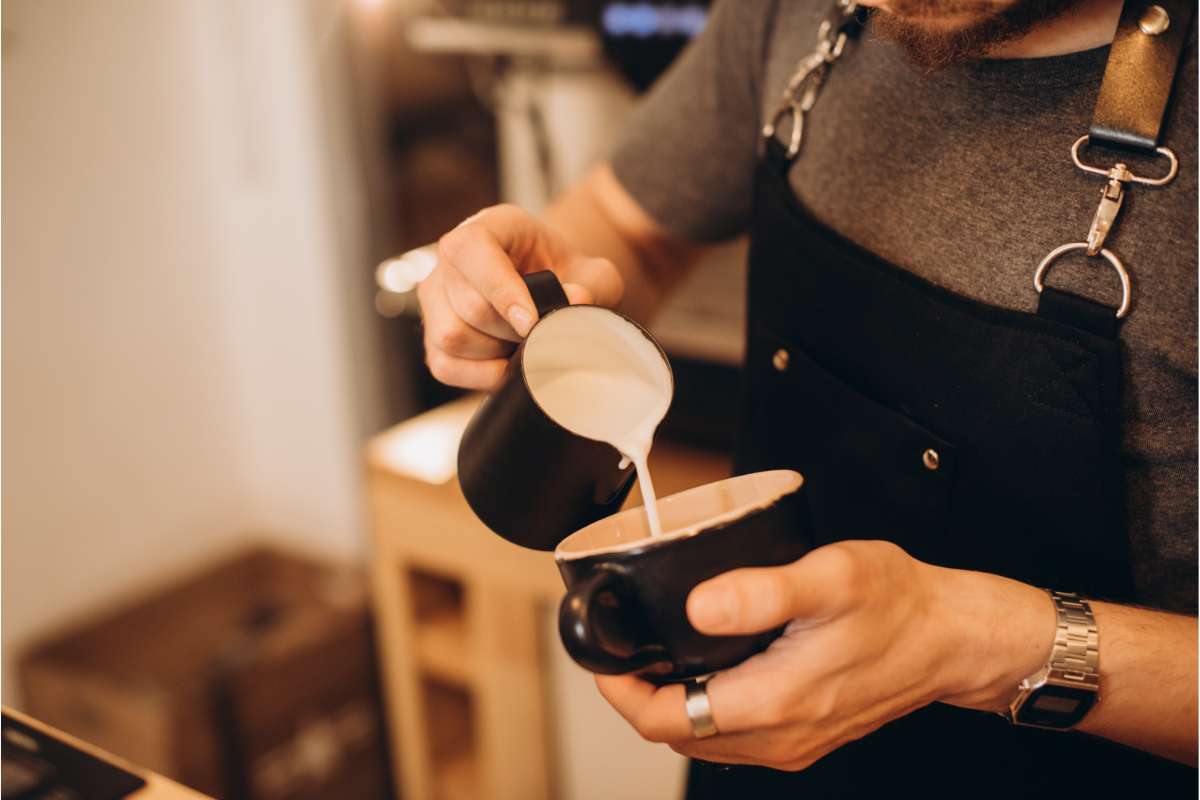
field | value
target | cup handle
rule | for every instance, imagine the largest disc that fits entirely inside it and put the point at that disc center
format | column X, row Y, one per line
column 607, row 652
column 546, row 291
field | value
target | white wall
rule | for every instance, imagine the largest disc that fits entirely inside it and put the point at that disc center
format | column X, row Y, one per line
column 184, row 351
column 187, row 319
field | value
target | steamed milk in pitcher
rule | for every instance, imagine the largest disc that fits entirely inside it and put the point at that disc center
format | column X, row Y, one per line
column 598, row 376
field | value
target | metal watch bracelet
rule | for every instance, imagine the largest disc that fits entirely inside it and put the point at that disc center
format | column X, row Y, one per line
column 1074, row 659
column 1076, row 640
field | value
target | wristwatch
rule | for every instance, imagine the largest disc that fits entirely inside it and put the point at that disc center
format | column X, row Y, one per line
column 1059, row 695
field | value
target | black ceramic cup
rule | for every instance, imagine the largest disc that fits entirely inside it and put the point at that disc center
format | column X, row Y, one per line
column 624, row 611
column 524, row 474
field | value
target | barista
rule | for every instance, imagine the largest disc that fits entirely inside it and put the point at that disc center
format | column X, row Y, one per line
column 1003, row 478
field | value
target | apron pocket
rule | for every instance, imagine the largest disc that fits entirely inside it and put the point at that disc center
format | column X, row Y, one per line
column 871, row 471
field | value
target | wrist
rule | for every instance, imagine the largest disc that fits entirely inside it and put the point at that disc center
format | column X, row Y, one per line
column 1000, row 631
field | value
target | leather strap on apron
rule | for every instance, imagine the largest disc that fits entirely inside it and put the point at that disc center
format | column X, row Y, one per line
column 1140, row 72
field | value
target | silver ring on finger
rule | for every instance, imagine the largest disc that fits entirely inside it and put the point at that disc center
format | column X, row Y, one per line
column 698, row 709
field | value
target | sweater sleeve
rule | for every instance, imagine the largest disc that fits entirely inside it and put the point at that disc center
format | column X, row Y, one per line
column 687, row 153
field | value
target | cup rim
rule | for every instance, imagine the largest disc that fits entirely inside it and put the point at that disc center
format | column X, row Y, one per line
column 793, row 483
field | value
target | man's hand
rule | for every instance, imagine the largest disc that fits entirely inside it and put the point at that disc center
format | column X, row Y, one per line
column 604, row 247
column 871, row 636
column 474, row 303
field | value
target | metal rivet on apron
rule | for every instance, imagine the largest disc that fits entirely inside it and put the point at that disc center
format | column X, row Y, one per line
column 931, row 459
column 780, row 359
column 1154, row 20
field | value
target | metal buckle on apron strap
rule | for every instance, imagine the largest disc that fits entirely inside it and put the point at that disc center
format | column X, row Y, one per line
column 1114, row 193
column 800, row 94
column 1112, row 197
column 1130, row 111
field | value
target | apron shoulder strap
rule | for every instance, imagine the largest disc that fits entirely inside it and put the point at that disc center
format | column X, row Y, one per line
column 1145, row 55
column 1130, row 109
column 1078, row 312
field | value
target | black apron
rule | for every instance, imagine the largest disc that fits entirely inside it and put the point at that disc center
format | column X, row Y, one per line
column 974, row 437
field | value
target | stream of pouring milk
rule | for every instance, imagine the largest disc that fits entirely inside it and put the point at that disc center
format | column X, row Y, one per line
column 611, row 403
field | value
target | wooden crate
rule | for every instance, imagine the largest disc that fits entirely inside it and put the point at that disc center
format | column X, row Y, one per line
column 254, row 678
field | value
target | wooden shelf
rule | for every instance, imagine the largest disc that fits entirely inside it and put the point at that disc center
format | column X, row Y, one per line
column 458, row 778
column 442, row 649
column 450, row 715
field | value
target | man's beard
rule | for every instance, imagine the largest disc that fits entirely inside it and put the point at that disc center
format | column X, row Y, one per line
column 932, row 47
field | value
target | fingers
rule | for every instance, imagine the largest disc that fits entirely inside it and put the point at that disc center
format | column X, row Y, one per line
column 756, row 736
column 721, row 749
column 578, row 294
column 479, row 250
column 600, row 276
column 759, row 599
column 746, row 699
column 744, row 601
column 479, row 375
column 455, row 328
column 472, row 310
column 727, row 748
column 656, row 713
column 475, row 303
column 758, row 748
column 755, row 695
column 456, row 353
column 659, row 714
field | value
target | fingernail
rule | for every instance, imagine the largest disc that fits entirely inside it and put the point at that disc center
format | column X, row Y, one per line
column 520, row 319
column 709, row 608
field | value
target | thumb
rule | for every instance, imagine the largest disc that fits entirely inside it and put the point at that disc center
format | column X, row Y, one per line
column 758, row 599
column 601, row 277
column 578, row 294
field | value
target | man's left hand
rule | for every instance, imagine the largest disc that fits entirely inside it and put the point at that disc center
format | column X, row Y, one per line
column 872, row 634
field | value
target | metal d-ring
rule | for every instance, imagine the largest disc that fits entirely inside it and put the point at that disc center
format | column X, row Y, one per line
column 1054, row 254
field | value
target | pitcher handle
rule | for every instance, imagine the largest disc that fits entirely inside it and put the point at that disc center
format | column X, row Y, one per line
column 546, row 291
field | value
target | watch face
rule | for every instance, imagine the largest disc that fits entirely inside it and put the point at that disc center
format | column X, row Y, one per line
column 1053, row 706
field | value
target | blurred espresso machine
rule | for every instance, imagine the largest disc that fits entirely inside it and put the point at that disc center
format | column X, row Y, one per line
column 560, row 78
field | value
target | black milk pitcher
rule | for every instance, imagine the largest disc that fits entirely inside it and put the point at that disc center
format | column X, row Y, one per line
column 525, row 475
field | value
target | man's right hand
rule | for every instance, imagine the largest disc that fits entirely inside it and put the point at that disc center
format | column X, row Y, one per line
column 475, row 305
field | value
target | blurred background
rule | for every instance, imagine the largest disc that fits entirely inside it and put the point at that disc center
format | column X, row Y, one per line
column 233, row 551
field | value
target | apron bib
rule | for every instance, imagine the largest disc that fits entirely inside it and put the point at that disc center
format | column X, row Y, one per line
column 972, row 436
column 975, row 437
